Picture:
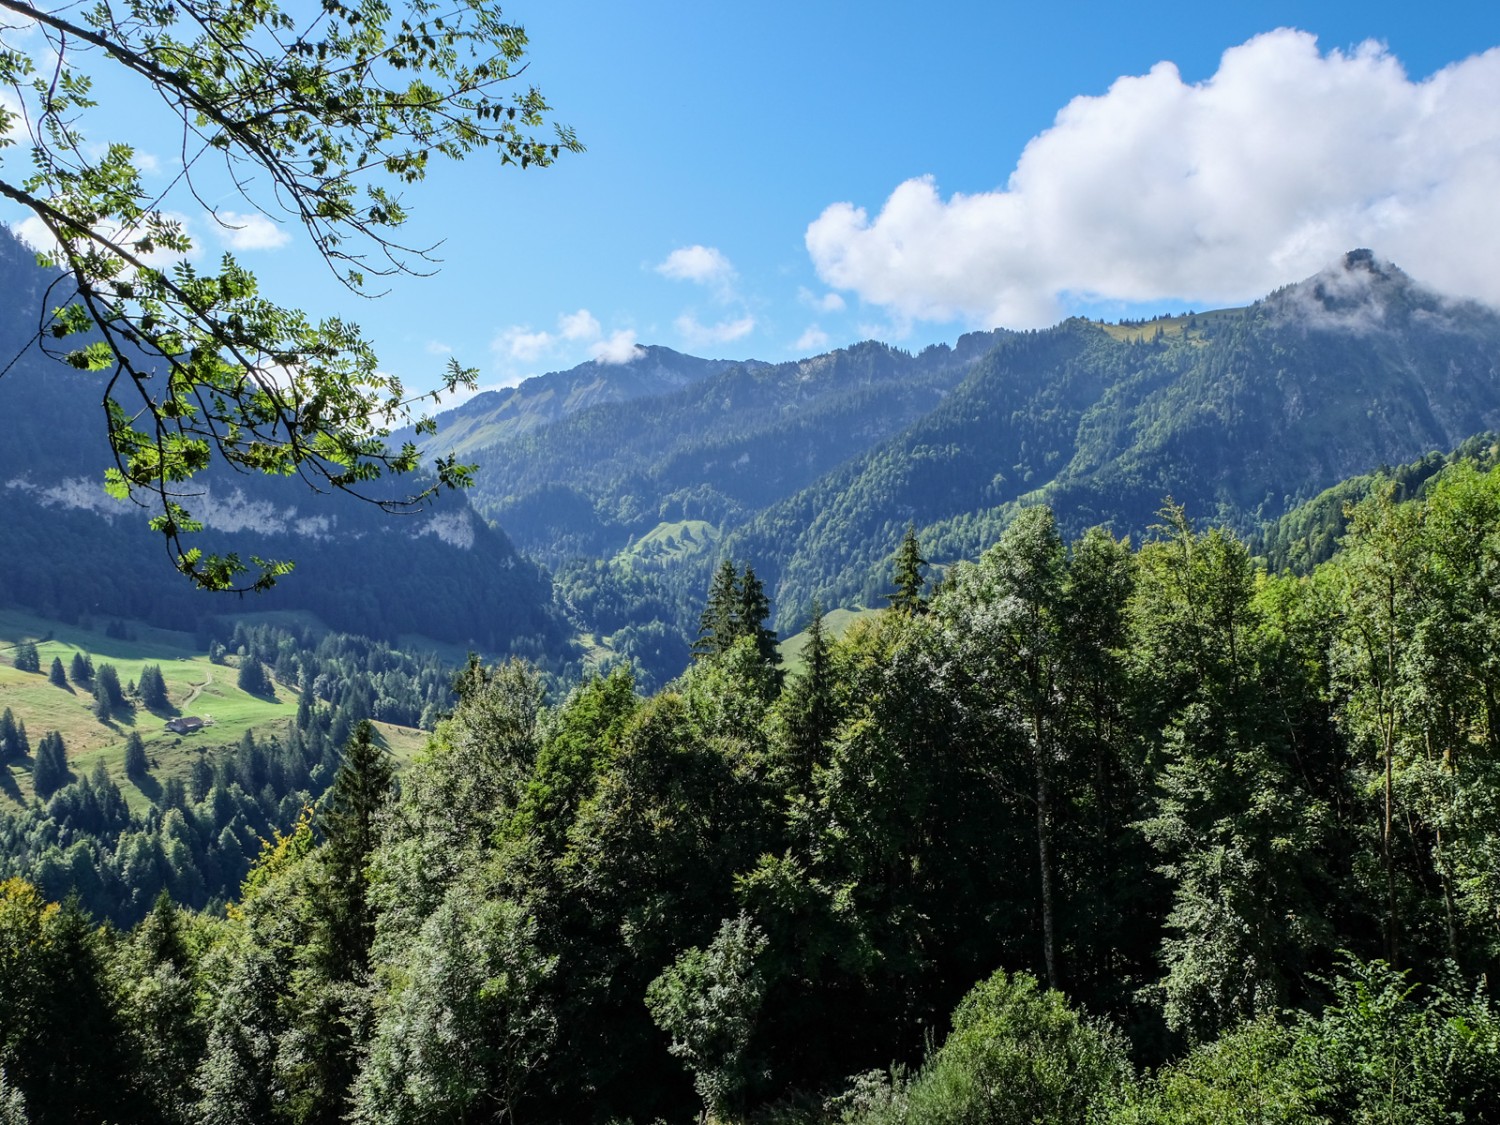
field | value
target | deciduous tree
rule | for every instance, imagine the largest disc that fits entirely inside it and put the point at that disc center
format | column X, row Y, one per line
column 316, row 117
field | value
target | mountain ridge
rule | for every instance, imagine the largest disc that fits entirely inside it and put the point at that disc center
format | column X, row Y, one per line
column 1239, row 413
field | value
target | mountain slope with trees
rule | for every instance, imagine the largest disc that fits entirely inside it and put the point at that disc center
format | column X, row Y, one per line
column 1239, row 415
column 442, row 572
column 718, row 449
column 496, row 416
column 812, row 471
column 1097, row 833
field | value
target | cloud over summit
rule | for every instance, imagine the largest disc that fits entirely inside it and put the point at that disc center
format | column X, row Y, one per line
column 1213, row 192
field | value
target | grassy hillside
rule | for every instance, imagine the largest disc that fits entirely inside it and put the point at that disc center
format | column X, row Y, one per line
column 671, row 542
column 195, row 687
column 835, row 622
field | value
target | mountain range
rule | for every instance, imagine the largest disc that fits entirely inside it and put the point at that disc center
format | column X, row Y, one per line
column 811, row 471
column 630, row 482
column 443, row 573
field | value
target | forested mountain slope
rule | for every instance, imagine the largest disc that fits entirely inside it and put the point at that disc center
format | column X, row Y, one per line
column 1240, row 415
column 442, row 572
column 1096, row 834
column 719, row 449
column 811, row 471
column 496, row 416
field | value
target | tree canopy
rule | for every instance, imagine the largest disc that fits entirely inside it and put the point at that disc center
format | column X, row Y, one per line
column 317, row 117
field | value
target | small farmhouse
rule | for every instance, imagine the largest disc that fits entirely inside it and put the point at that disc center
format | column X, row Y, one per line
column 186, row 724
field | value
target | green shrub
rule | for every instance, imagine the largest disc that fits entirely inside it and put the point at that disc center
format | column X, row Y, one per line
column 1017, row 1054
column 1255, row 1075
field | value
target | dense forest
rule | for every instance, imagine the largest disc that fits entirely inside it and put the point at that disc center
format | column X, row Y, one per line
column 205, row 829
column 1090, row 832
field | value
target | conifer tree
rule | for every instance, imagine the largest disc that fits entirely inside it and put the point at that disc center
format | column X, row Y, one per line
column 810, row 707
column 153, row 688
column 360, row 789
column 10, row 741
column 27, row 659
column 907, row 597
column 754, row 608
column 50, row 770
column 135, row 756
column 737, row 607
column 56, row 675
column 81, row 670
column 717, row 627
column 109, row 680
column 102, row 707
column 332, row 1000
column 253, row 679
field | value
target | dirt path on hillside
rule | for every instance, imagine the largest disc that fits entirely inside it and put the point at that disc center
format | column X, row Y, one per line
column 197, row 690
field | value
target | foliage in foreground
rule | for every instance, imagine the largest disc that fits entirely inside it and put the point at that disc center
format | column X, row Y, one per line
column 1242, row 827
column 319, row 118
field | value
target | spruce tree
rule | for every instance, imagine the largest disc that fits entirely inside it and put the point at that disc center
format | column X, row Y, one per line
column 10, row 742
column 108, row 680
column 810, row 708
column 102, row 707
column 907, row 597
column 718, row 626
column 253, row 679
column 750, row 620
column 27, row 659
column 361, row 787
column 737, row 607
column 56, row 675
column 135, row 756
column 337, row 956
column 49, row 772
column 81, row 670
column 305, row 703
column 153, row 688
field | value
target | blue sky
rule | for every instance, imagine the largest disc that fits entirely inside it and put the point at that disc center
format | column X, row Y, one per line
column 778, row 179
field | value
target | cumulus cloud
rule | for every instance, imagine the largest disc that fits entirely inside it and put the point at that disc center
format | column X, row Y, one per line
column 250, row 231
column 813, row 339
column 13, row 118
column 581, row 325
column 828, row 302
column 520, row 344
column 698, row 334
column 703, row 265
column 1213, row 192
column 32, row 231
column 620, row 347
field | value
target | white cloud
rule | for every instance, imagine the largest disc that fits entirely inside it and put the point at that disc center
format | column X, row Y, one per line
column 15, row 118
column 519, row 343
column 252, row 231
column 697, row 334
column 813, row 339
column 579, row 326
column 437, row 347
column 32, row 231
column 828, row 302
column 618, row 348
column 703, row 265
column 1213, row 192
